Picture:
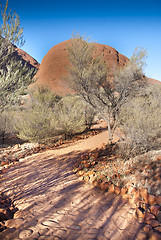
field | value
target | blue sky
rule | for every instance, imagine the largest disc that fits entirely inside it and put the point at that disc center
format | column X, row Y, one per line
column 123, row 25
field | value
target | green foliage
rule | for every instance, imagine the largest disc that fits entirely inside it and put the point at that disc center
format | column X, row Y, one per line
column 14, row 80
column 10, row 33
column 35, row 125
column 72, row 116
column 14, row 75
column 89, row 78
column 86, row 70
column 35, row 122
column 140, row 121
column 46, row 115
column 43, row 96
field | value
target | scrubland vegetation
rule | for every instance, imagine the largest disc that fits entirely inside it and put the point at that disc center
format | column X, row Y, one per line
column 140, row 120
column 46, row 115
column 125, row 100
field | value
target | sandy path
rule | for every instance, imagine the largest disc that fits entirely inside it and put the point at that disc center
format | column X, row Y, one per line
column 54, row 204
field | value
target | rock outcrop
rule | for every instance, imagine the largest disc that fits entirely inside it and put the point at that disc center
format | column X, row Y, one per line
column 54, row 66
column 25, row 57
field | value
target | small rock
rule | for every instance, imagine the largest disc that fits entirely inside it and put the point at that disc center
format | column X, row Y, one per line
column 158, row 200
column 111, row 188
column 25, row 233
column 2, row 205
column 135, row 215
column 151, row 199
column 3, row 163
column 144, row 194
column 158, row 229
column 149, row 216
column 131, row 190
column 104, row 186
column 147, row 228
column 153, row 223
column 141, row 236
column 136, row 194
column 87, row 165
column 155, row 209
column 117, row 190
column 86, row 178
column 123, row 191
column 93, row 163
column 96, row 183
column 80, row 173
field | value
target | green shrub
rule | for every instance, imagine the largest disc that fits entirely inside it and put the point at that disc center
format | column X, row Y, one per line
column 35, row 121
column 46, row 115
column 72, row 116
column 140, row 121
column 35, row 125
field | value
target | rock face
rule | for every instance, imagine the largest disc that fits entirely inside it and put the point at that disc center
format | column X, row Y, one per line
column 25, row 57
column 21, row 55
column 54, row 66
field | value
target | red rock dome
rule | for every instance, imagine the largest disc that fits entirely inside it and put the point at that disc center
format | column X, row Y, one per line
column 53, row 67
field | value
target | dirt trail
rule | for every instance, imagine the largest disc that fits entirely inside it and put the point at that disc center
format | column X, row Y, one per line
column 54, row 204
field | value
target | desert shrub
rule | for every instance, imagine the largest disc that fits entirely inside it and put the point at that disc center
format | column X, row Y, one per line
column 35, row 122
column 140, row 121
column 72, row 116
column 35, row 125
column 43, row 96
column 46, row 115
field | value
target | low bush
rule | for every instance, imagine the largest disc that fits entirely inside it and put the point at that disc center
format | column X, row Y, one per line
column 140, row 121
column 35, row 120
column 46, row 115
column 72, row 116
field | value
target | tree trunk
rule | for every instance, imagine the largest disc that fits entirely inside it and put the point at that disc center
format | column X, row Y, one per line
column 110, row 135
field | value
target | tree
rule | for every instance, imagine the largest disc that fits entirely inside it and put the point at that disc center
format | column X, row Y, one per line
column 11, row 33
column 14, row 80
column 89, row 78
column 14, row 75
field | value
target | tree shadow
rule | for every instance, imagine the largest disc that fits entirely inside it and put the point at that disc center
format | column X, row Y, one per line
column 45, row 189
